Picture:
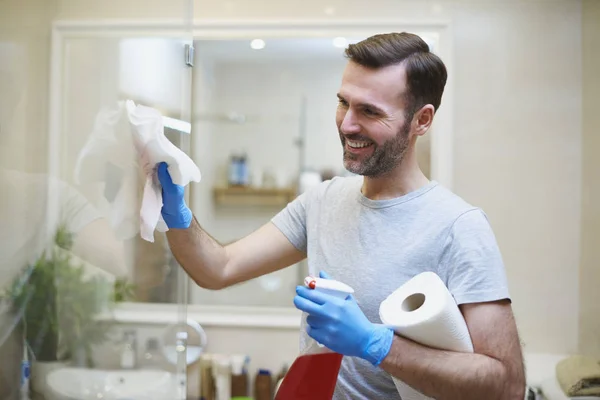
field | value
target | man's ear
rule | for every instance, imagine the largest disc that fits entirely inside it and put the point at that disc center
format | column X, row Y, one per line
column 423, row 119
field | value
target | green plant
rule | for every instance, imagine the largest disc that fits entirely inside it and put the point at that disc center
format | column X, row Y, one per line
column 61, row 304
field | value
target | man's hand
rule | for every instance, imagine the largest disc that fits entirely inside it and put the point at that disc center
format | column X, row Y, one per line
column 174, row 210
column 341, row 326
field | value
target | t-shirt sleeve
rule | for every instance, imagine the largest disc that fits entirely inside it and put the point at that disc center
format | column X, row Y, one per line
column 471, row 257
column 291, row 221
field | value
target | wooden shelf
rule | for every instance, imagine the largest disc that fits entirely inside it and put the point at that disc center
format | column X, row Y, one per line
column 251, row 196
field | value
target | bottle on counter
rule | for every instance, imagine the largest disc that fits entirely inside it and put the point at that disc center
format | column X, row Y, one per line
column 279, row 378
column 207, row 383
column 263, row 385
column 239, row 377
column 221, row 371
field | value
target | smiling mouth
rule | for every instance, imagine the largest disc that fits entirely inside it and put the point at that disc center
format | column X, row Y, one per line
column 358, row 144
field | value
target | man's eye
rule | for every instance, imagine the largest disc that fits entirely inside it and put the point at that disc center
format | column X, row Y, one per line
column 368, row 111
column 343, row 103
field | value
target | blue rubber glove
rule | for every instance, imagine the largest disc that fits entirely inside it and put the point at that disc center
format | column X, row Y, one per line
column 341, row 326
column 174, row 211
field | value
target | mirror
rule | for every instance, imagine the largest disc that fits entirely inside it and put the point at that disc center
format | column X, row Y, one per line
column 272, row 101
column 266, row 106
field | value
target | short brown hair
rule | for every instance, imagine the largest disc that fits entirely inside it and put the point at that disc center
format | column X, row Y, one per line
column 426, row 74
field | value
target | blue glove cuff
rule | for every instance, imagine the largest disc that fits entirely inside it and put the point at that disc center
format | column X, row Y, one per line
column 181, row 219
column 379, row 345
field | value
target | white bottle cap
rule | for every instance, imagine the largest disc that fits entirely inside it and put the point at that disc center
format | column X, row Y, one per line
column 329, row 286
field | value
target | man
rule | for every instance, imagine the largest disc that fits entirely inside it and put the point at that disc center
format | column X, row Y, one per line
column 374, row 232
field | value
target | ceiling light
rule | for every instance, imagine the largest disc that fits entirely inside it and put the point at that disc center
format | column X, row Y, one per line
column 257, row 44
column 340, row 42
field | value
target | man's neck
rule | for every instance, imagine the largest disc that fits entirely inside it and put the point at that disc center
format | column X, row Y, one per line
column 405, row 178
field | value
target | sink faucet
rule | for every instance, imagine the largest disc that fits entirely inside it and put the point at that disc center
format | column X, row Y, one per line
column 128, row 355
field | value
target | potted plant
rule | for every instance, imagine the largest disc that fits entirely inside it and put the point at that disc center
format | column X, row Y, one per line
column 59, row 303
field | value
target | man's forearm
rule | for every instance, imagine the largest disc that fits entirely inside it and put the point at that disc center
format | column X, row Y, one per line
column 202, row 257
column 447, row 375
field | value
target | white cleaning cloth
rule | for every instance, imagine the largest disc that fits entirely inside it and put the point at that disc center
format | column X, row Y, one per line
column 153, row 148
column 424, row 311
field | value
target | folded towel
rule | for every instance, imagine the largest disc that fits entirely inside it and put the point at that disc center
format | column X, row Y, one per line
column 579, row 376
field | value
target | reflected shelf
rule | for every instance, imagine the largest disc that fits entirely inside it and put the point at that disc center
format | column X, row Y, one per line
column 253, row 196
column 205, row 315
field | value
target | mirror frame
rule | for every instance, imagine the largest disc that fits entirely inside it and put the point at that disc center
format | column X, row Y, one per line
column 242, row 316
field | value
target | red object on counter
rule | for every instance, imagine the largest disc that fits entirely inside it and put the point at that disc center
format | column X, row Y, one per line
column 311, row 377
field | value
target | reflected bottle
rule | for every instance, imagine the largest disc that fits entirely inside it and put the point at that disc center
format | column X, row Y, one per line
column 151, row 359
column 243, row 175
column 128, row 357
column 234, row 167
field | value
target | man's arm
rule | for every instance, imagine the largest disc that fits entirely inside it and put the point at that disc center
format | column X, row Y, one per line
column 494, row 371
column 214, row 266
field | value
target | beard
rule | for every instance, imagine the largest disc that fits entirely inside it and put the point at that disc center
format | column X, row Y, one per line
column 383, row 159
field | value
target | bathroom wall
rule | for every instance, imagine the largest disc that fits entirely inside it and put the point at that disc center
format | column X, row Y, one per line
column 25, row 55
column 518, row 153
column 589, row 296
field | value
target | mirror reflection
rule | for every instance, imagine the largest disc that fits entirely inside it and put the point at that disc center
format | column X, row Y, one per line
column 264, row 119
column 255, row 156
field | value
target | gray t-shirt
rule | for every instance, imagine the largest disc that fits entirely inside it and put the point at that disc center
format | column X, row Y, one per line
column 375, row 246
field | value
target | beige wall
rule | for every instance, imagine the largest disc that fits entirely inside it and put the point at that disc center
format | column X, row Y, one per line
column 25, row 55
column 589, row 320
column 518, row 152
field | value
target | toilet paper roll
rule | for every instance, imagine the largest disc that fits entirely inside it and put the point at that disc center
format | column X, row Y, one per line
column 424, row 310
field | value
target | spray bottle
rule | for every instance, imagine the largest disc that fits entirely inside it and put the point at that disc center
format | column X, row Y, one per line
column 313, row 375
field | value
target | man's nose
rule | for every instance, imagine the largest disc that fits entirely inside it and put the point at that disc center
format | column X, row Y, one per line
column 350, row 123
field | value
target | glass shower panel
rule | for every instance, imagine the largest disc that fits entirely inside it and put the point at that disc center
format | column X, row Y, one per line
column 73, row 264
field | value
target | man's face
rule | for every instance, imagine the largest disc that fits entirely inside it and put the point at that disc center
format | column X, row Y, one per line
column 371, row 119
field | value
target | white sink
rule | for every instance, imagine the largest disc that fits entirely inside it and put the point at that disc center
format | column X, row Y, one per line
column 88, row 384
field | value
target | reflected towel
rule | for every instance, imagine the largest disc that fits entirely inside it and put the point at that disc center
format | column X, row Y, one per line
column 108, row 159
column 579, row 376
